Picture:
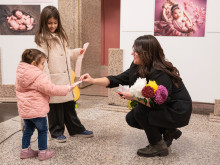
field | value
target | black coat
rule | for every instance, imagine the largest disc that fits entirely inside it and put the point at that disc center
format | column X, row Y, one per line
column 175, row 112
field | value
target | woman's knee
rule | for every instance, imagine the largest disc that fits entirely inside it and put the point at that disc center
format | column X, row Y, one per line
column 140, row 112
column 128, row 119
column 132, row 121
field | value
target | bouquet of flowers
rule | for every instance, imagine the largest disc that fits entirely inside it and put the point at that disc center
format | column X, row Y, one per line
column 157, row 94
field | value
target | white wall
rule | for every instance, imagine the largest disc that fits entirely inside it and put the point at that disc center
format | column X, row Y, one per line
column 12, row 46
column 197, row 58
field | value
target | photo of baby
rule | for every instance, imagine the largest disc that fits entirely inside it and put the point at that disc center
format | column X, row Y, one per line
column 19, row 19
column 180, row 18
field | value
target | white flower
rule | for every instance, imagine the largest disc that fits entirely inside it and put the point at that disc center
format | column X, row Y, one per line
column 137, row 87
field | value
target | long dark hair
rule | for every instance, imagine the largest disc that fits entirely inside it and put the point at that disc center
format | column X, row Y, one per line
column 152, row 56
column 43, row 32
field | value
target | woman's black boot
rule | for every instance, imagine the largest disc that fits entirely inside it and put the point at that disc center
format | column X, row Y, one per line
column 158, row 149
column 171, row 134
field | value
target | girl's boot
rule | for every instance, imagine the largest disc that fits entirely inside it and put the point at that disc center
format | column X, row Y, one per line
column 45, row 154
column 28, row 153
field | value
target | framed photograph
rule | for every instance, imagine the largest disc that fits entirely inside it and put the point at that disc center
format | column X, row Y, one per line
column 180, row 18
column 19, row 19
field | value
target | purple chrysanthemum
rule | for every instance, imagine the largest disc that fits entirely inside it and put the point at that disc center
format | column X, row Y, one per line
column 160, row 95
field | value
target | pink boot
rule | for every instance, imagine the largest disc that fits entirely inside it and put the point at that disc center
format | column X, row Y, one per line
column 28, row 153
column 45, row 154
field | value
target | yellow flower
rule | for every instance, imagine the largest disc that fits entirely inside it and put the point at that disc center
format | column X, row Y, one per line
column 129, row 105
column 153, row 85
column 132, row 104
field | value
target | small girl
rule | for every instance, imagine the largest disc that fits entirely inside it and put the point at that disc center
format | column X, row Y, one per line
column 53, row 41
column 33, row 91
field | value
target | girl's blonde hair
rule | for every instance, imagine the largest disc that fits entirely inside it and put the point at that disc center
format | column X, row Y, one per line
column 30, row 55
column 43, row 33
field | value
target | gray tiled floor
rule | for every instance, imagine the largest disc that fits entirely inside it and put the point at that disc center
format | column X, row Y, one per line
column 115, row 142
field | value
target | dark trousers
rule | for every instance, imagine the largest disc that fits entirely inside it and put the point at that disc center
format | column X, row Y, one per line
column 138, row 118
column 64, row 114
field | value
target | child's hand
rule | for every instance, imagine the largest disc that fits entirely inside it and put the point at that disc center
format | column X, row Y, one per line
column 70, row 87
column 82, row 51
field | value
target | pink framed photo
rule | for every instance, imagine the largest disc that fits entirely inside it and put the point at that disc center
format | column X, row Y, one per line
column 180, row 18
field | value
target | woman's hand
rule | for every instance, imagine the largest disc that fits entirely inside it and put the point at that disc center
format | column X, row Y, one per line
column 127, row 95
column 87, row 78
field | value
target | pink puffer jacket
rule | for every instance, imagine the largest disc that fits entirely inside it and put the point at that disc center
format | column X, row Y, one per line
column 33, row 91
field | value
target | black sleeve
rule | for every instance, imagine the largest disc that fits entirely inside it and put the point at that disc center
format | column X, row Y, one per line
column 164, row 79
column 122, row 79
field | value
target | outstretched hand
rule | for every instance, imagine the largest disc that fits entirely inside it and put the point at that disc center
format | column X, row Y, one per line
column 87, row 78
column 70, row 87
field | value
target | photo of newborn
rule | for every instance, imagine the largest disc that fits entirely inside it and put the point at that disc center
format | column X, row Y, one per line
column 180, row 18
column 19, row 19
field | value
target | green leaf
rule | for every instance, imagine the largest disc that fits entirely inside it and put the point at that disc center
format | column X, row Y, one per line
column 151, row 102
column 145, row 101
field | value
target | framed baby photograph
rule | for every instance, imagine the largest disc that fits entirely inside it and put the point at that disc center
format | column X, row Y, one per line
column 19, row 19
column 180, row 18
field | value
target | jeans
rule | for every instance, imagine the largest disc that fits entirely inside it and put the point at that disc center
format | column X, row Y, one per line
column 40, row 124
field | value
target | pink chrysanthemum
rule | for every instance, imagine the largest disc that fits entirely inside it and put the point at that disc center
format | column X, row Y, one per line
column 160, row 95
column 148, row 92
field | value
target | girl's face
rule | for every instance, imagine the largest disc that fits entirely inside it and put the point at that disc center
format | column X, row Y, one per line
column 41, row 64
column 137, row 59
column 177, row 13
column 52, row 24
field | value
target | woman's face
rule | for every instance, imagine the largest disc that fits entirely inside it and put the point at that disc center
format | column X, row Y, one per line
column 52, row 24
column 137, row 59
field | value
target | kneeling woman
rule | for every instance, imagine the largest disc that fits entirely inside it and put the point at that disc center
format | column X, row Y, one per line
column 160, row 122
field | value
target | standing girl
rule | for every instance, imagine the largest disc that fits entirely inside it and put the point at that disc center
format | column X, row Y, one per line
column 52, row 40
column 33, row 89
